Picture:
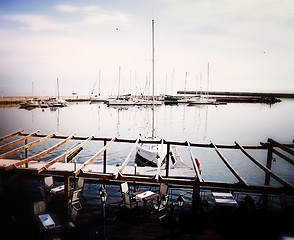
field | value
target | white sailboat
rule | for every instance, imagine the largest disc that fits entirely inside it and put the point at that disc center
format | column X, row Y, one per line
column 121, row 100
column 151, row 154
column 203, row 100
column 56, row 102
column 97, row 98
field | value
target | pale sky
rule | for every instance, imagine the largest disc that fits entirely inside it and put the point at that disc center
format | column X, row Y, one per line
column 247, row 43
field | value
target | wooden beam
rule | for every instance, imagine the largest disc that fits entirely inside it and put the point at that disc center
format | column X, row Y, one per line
column 279, row 179
column 94, row 157
column 19, row 140
column 236, row 174
column 159, row 162
column 11, row 135
column 26, row 146
column 48, row 164
column 276, row 144
column 197, row 170
column 127, row 159
column 289, row 160
column 38, row 155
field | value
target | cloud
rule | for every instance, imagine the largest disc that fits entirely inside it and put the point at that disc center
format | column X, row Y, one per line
column 35, row 22
column 94, row 14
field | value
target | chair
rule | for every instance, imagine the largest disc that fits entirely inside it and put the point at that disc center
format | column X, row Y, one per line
column 124, row 187
column 75, row 199
column 48, row 183
column 53, row 229
column 163, row 190
column 128, row 201
column 75, row 204
column 46, row 196
column 160, row 205
column 39, row 208
column 80, row 185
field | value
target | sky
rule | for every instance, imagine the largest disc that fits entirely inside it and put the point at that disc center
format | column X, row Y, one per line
column 247, row 44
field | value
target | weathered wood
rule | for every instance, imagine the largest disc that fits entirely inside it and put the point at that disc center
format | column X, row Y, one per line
column 276, row 144
column 279, row 179
column 11, row 135
column 26, row 146
column 38, row 155
column 236, row 174
column 19, row 140
column 63, row 155
column 127, row 159
column 94, row 157
column 197, row 171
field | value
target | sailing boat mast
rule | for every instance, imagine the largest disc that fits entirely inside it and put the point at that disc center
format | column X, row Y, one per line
column 99, row 82
column 118, row 81
column 152, row 79
column 207, row 78
column 57, row 89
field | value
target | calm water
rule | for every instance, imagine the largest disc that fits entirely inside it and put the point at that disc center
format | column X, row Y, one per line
column 249, row 124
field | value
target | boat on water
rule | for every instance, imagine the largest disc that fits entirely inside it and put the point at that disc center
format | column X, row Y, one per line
column 151, row 154
column 54, row 102
column 30, row 103
column 122, row 100
column 97, row 97
column 198, row 100
column 169, row 99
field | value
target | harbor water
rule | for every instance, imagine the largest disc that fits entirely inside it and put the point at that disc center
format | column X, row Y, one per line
column 248, row 124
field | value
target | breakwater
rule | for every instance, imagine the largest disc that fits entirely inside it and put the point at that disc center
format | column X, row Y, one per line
column 240, row 94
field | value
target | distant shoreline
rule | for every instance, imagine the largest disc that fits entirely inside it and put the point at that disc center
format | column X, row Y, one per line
column 18, row 99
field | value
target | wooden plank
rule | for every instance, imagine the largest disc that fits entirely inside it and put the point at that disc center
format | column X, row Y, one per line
column 19, row 140
column 276, row 144
column 197, row 171
column 38, row 155
column 94, row 157
column 26, row 146
column 11, row 135
column 127, row 159
column 236, row 174
column 289, row 160
column 279, row 179
column 63, row 155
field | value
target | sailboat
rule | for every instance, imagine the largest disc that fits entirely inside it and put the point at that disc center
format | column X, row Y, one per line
column 204, row 100
column 124, row 100
column 151, row 154
column 97, row 98
column 56, row 102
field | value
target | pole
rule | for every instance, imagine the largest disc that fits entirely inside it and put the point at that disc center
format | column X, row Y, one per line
column 57, row 89
column 118, row 81
column 152, row 79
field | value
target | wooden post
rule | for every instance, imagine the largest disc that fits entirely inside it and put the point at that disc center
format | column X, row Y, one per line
column 67, row 195
column 104, row 158
column 267, row 175
column 26, row 152
column 167, row 161
column 196, row 199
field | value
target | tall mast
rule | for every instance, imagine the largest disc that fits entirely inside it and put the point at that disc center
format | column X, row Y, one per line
column 99, row 82
column 207, row 78
column 152, row 79
column 57, row 89
column 118, row 81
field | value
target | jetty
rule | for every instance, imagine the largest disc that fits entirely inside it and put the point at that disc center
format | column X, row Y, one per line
column 174, row 172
